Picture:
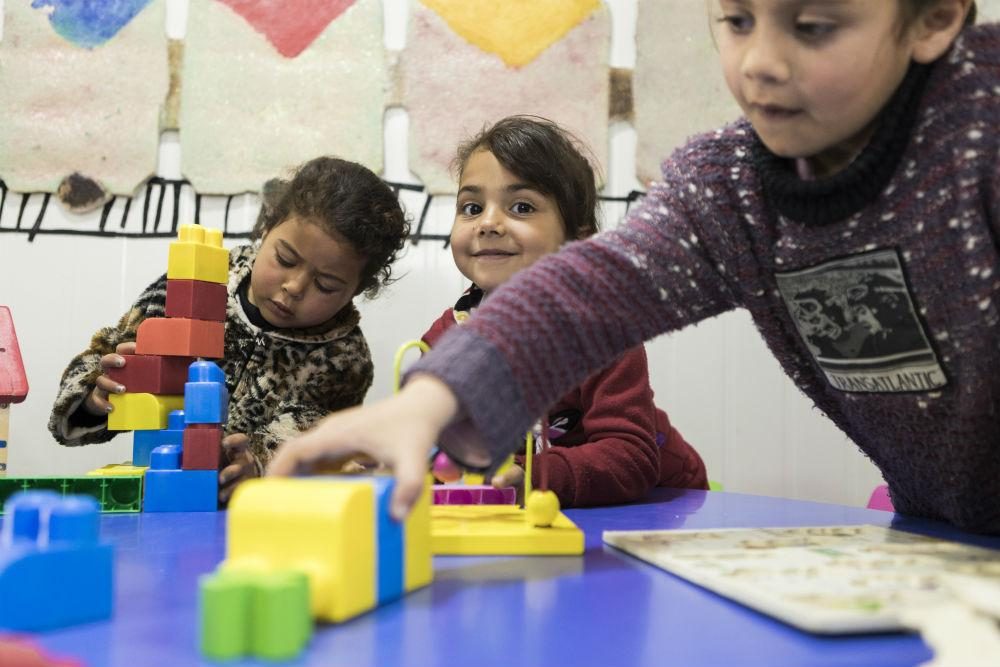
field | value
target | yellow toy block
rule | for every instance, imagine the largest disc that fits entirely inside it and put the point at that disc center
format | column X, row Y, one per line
column 141, row 412
column 418, row 570
column 325, row 528
column 117, row 470
column 197, row 254
column 499, row 530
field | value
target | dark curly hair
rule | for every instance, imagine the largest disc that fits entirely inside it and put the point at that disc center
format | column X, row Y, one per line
column 548, row 158
column 347, row 200
column 912, row 9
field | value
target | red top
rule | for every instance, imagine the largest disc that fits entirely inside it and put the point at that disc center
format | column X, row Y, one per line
column 611, row 444
column 13, row 381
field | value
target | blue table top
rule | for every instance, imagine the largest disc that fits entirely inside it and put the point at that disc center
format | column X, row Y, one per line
column 604, row 608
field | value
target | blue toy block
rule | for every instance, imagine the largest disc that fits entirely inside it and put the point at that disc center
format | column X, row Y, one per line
column 389, row 543
column 206, row 400
column 144, row 442
column 170, row 489
column 53, row 571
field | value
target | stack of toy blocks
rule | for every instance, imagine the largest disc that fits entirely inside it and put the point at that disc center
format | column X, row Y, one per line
column 194, row 326
column 53, row 571
column 185, row 478
column 337, row 533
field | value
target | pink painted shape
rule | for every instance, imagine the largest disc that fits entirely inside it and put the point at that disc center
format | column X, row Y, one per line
column 291, row 25
column 880, row 499
column 13, row 381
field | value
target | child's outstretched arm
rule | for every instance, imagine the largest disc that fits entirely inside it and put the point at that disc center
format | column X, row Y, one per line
column 399, row 431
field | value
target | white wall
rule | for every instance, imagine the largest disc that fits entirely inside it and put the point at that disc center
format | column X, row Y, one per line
column 717, row 381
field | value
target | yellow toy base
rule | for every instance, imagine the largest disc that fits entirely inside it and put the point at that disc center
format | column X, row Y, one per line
column 499, row 530
column 117, row 470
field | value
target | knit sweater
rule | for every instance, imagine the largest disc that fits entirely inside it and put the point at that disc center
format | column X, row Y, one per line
column 610, row 443
column 886, row 317
column 280, row 381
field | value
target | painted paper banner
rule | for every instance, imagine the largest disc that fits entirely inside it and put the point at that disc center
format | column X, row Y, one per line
column 468, row 63
column 82, row 87
column 249, row 111
column 678, row 89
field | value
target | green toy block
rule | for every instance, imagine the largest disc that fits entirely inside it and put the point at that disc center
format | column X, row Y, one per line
column 115, row 494
column 264, row 614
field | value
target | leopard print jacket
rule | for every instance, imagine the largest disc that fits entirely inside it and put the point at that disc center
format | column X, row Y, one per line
column 280, row 382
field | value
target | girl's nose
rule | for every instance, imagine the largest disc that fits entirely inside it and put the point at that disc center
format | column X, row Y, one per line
column 490, row 222
column 765, row 60
column 294, row 286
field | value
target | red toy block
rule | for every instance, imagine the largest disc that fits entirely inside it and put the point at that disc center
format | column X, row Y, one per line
column 18, row 652
column 202, row 448
column 197, row 300
column 152, row 374
column 13, row 381
column 181, row 337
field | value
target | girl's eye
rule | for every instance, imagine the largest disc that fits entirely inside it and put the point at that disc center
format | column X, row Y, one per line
column 324, row 289
column 737, row 23
column 471, row 208
column 523, row 208
column 815, row 30
column 284, row 262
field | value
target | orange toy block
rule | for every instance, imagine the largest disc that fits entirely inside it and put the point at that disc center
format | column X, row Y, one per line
column 181, row 337
column 197, row 254
column 196, row 299
column 202, row 449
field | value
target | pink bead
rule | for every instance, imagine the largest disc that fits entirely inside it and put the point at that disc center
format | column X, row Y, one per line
column 445, row 470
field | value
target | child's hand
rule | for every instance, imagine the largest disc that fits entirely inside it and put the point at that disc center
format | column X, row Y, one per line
column 513, row 476
column 398, row 431
column 97, row 402
column 242, row 464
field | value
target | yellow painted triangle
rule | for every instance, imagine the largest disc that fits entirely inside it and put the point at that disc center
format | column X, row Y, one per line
column 515, row 30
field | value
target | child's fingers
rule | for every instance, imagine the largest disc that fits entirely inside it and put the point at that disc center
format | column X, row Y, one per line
column 304, row 452
column 125, row 348
column 235, row 443
column 230, row 473
column 112, row 361
column 109, row 386
column 513, row 476
column 409, row 469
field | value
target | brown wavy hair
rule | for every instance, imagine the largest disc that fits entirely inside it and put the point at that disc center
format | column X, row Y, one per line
column 347, row 200
column 548, row 158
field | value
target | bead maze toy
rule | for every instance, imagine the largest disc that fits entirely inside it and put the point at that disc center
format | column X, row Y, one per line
column 537, row 529
column 332, row 534
column 13, row 381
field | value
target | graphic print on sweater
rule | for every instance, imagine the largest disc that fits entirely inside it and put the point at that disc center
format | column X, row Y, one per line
column 858, row 320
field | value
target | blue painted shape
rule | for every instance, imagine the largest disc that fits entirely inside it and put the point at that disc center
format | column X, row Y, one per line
column 53, row 571
column 206, row 400
column 388, row 543
column 144, row 442
column 180, row 490
column 3, row 444
column 90, row 23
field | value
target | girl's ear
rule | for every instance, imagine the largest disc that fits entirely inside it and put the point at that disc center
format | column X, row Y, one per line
column 936, row 28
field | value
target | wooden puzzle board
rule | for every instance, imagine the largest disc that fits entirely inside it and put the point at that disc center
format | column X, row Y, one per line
column 829, row 580
column 499, row 530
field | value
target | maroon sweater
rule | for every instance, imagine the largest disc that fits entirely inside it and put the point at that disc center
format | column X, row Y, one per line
column 611, row 443
column 876, row 289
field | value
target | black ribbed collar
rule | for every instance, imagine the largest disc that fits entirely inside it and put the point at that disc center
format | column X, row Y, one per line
column 828, row 200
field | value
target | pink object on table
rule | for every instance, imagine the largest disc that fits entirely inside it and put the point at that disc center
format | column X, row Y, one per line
column 445, row 470
column 880, row 499
column 469, row 494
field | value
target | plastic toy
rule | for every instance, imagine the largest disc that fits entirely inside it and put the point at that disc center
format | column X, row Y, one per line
column 145, row 441
column 13, row 381
column 53, row 571
column 141, row 411
column 338, row 531
column 206, row 400
column 473, row 494
column 19, row 652
column 180, row 337
column 196, row 300
column 151, row 374
column 171, row 489
column 500, row 530
column 118, row 494
column 197, row 254
column 202, row 448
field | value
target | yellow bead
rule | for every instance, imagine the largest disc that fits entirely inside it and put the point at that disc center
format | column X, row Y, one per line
column 542, row 508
